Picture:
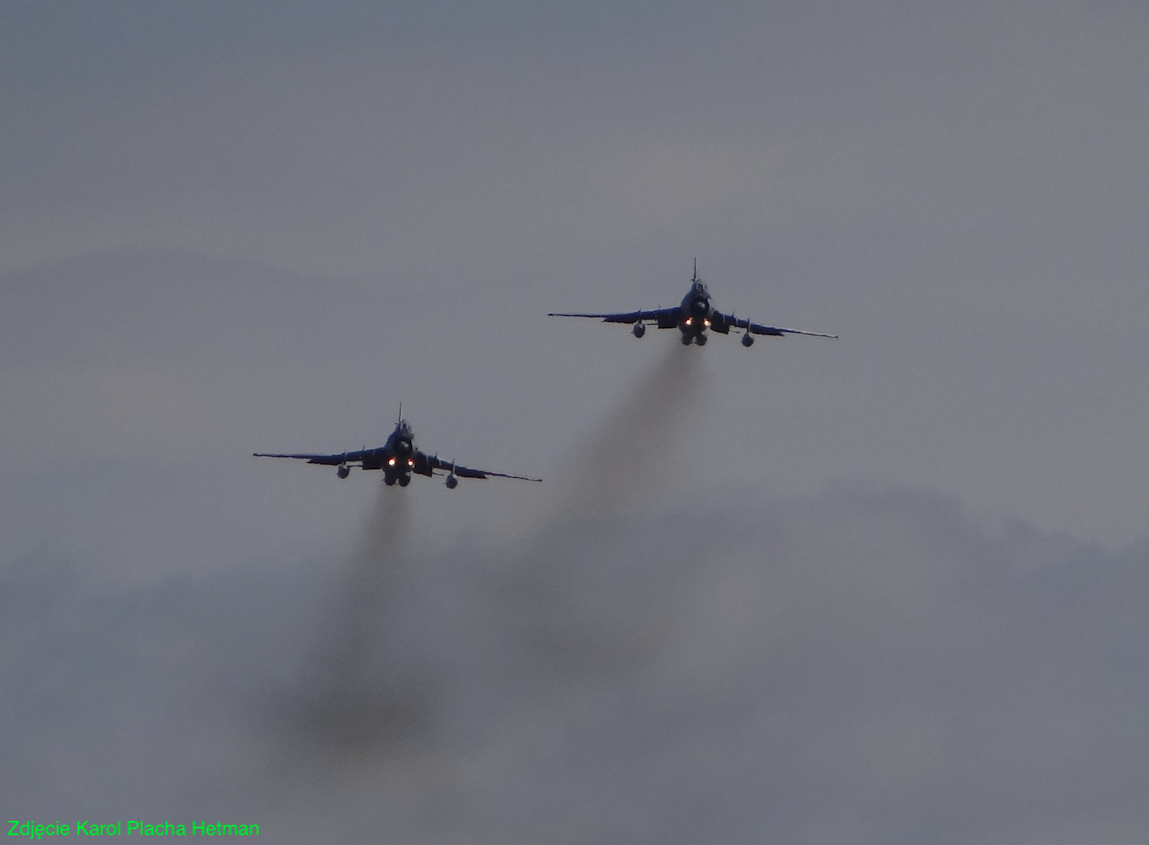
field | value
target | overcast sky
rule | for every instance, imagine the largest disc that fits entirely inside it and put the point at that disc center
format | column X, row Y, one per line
column 887, row 588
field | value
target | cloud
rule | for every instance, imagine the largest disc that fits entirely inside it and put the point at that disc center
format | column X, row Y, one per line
column 870, row 666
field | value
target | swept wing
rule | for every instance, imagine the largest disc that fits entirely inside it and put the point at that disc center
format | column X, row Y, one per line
column 437, row 463
column 663, row 316
column 325, row 460
column 757, row 328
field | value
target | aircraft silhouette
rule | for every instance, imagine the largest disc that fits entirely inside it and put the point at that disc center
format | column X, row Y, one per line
column 692, row 318
column 398, row 458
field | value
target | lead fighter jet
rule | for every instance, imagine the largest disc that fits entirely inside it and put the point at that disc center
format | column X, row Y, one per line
column 398, row 458
column 693, row 317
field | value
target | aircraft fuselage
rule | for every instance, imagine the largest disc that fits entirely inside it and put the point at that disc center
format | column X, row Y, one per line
column 696, row 314
column 398, row 457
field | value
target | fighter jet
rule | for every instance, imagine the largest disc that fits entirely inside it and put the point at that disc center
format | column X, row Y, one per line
column 398, row 458
column 693, row 317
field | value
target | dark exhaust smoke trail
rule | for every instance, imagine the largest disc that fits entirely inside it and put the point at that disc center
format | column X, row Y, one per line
column 361, row 691
column 372, row 574
column 634, row 447
column 575, row 610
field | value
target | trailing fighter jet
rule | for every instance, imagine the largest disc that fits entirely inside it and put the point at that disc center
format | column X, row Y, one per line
column 693, row 317
column 398, row 458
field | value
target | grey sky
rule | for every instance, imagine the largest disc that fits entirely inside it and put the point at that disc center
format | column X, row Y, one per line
column 958, row 190
column 260, row 227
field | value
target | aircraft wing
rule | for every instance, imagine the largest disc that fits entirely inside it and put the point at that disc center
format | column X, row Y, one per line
column 325, row 460
column 461, row 471
column 661, row 316
column 757, row 328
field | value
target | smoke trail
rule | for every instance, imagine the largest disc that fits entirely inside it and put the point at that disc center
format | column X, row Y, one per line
column 634, row 446
column 362, row 690
column 576, row 611
column 372, row 574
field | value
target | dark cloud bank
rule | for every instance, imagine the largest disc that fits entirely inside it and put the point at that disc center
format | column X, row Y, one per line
column 860, row 667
